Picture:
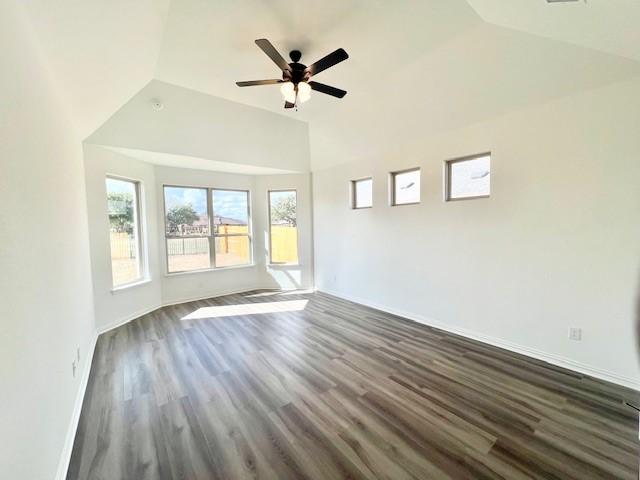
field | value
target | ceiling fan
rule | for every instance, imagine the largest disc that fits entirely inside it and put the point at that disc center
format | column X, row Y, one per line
column 295, row 85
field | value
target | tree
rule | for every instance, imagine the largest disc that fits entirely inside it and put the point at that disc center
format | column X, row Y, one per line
column 181, row 215
column 284, row 211
column 120, row 212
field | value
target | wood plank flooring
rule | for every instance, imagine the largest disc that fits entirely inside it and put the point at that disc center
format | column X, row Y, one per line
column 275, row 385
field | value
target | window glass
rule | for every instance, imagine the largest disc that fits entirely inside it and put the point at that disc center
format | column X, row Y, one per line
column 186, row 212
column 469, row 178
column 124, row 231
column 406, row 187
column 230, row 212
column 283, row 227
column 187, row 253
column 362, row 193
column 231, row 227
column 187, row 229
column 232, row 250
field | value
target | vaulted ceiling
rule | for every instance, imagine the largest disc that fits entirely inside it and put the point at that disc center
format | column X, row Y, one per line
column 416, row 67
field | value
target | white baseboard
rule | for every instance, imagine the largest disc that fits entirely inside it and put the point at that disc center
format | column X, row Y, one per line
column 122, row 321
column 65, row 457
column 553, row 359
column 216, row 294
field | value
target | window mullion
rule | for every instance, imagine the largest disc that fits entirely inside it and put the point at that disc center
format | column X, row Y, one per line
column 212, row 239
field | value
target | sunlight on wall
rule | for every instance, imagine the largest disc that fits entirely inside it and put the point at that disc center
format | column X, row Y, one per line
column 247, row 309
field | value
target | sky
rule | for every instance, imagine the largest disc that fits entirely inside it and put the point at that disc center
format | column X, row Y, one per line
column 276, row 196
column 407, row 187
column 226, row 203
column 119, row 186
column 471, row 178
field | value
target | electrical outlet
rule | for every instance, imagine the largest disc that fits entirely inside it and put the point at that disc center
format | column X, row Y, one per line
column 575, row 333
column 73, row 368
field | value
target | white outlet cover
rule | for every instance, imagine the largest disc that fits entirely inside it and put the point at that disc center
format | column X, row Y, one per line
column 575, row 333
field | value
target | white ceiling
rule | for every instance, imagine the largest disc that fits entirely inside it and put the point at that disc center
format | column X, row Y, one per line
column 196, row 163
column 101, row 52
column 205, row 131
column 416, row 66
column 607, row 25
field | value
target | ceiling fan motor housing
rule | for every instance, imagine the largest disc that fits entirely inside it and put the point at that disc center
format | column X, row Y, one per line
column 298, row 71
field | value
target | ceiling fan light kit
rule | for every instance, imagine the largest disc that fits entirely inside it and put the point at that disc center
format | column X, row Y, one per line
column 295, row 85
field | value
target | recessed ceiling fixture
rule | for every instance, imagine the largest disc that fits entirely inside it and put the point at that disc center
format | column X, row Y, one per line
column 295, row 85
column 157, row 104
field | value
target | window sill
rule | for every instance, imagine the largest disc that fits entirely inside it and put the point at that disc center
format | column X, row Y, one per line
column 207, row 270
column 276, row 265
column 127, row 286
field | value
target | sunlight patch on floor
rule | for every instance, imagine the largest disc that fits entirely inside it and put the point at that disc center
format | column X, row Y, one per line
column 247, row 309
column 279, row 293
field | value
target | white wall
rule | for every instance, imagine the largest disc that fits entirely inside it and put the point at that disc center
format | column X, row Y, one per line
column 45, row 288
column 287, row 276
column 183, row 287
column 187, row 286
column 556, row 245
column 114, row 306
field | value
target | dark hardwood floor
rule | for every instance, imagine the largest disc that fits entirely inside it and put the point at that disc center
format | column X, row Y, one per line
column 326, row 389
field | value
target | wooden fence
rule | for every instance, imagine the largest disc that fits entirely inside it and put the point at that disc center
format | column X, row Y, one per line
column 284, row 242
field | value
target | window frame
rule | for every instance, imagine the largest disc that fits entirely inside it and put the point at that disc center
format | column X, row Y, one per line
column 141, row 244
column 448, row 177
column 354, row 196
column 392, row 186
column 211, row 237
column 271, row 262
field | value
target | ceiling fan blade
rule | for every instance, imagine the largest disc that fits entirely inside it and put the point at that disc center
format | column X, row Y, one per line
column 251, row 83
column 289, row 105
column 329, row 61
column 328, row 89
column 272, row 53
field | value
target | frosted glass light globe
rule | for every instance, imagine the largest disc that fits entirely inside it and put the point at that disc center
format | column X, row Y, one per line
column 304, row 91
column 288, row 92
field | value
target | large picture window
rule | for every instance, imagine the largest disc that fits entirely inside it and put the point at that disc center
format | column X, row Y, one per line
column 206, row 228
column 283, row 227
column 125, row 234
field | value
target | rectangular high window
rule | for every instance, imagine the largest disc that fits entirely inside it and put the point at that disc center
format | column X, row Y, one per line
column 405, row 187
column 206, row 228
column 468, row 177
column 283, row 227
column 362, row 193
column 125, row 233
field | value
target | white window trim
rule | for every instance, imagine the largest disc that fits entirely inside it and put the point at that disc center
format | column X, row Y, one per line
column 447, row 176
column 211, row 237
column 140, row 234
column 392, row 187
column 354, row 193
column 271, row 263
column 127, row 286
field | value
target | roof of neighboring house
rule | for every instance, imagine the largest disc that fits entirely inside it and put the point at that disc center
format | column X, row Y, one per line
column 218, row 220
